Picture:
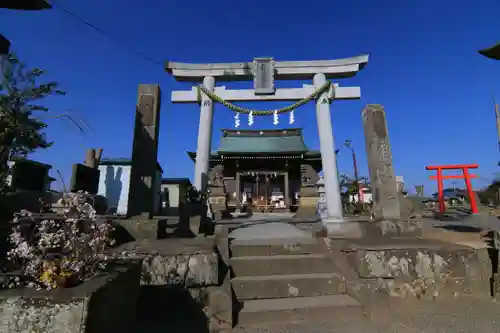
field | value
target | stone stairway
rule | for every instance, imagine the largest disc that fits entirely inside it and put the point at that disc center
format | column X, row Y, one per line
column 284, row 280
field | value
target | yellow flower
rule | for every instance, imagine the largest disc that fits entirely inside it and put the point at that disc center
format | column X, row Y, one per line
column 47, row 277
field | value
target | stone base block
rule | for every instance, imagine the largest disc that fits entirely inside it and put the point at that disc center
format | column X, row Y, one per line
column 101, row 305
column 138, row 228
column 343, row 229
column 195, row 225
column 307, row 207
column 189, row 263
column 397, row 228
column 220, row 307
column 377, row 229
column 417, row 263
column 416, row 268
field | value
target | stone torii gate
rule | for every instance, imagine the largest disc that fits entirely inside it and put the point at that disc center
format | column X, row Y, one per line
column 263, row 72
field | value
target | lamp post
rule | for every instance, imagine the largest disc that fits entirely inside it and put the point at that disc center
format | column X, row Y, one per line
column 348, row 144
column 16, row 5
column 25, row 4
column 337, row 163
column 492, row 52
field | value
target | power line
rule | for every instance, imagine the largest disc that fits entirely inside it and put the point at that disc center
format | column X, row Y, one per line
column 105, row 34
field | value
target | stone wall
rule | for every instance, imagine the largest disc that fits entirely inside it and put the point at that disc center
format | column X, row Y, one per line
column 183, row 278
column 105, row 303
column 433, row 269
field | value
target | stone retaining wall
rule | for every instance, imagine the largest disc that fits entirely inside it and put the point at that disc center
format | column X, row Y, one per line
column 433, row 270
column 104, row 304
column 172, row 265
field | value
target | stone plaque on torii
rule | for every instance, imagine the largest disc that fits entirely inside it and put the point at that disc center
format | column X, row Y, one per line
column 264, row 72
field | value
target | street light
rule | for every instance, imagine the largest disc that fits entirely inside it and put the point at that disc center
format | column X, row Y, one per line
column 337, row 163
column 492, row 52
column 25, row 4
column 17, row 5
column 348, row 144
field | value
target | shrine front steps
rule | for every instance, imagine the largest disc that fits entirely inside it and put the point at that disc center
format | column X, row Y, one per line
column 278, row 280
column 410, row 268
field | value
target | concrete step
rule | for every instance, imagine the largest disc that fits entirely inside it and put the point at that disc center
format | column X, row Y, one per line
column 298, row 309
column 281, row 264
column 274, row 246
column 288, row 286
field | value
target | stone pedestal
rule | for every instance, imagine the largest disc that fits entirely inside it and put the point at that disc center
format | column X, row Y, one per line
column 321, row 210
column 308, row 201
column 217, row 202
column 386, row 204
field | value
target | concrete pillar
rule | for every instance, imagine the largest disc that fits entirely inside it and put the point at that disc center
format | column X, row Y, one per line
column 204, row 137
column 328, row 157
column 143, row 171
column 238, row 191
column 287, row 190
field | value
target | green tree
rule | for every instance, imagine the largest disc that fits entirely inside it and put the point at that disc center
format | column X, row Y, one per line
column 491, row 193
column 21, row 94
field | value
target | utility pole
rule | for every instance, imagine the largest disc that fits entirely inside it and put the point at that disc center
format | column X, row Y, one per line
column 497, row 117
column 493, row 52
column 348, row 144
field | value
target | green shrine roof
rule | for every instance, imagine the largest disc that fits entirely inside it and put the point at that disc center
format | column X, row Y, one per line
column 262, row 142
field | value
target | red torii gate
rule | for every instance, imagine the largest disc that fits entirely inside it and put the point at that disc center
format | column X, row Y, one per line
column 466, row 175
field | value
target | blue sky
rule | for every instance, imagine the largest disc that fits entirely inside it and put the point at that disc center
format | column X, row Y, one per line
column 424, row 69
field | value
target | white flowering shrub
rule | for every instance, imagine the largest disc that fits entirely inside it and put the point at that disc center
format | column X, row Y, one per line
column 61, row 252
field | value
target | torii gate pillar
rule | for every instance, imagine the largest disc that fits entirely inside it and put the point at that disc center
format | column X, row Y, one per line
column 204, row 137
column 467, row 176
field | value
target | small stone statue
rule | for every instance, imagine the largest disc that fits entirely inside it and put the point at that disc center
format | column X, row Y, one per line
column 216, row 176
column 308, row 176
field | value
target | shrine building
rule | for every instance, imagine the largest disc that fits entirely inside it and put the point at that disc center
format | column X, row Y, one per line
column 264, row 165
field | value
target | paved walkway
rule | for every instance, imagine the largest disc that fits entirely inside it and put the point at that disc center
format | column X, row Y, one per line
column 271, row 230
column 464, row 230
column 469, row 315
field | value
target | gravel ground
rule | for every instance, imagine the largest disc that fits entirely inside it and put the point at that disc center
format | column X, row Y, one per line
column 454, row 316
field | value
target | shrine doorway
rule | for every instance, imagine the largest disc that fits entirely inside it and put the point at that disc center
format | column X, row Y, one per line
column 268, row 190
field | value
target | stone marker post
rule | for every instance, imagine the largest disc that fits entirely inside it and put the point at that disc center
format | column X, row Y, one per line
column 386, row 205
column 144, row 152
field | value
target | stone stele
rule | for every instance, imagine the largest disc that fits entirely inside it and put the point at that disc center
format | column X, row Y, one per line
column 386, row 204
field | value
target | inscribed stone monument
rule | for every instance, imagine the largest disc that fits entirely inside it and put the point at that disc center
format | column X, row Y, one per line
column 144, row 152
column 386, row 205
